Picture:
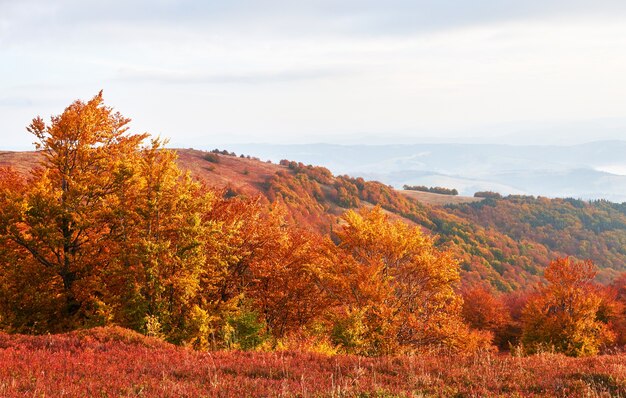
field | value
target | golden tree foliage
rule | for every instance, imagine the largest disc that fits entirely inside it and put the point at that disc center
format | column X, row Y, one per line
column 60, row 217
column 161, row 239
column 104, row 231
column 30, row 296
column 564, row 316
column 399, row 288
column 281, row 271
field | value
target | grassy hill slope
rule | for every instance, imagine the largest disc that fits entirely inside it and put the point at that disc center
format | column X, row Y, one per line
column 437, row 199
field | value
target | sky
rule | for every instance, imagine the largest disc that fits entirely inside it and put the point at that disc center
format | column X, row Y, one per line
column 208, row 73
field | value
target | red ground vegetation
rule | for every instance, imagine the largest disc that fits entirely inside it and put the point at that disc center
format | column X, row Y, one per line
column 112, row 362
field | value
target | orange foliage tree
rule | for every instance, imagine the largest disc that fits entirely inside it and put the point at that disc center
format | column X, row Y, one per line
column 399, row 288
column 615, row 305
column 104, row 231
column 274, row 278
column 564, row 315
column 160, row 236
column 483, row 309
column 29, row 302
column 59, row 219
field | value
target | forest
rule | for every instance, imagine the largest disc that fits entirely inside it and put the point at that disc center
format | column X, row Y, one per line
column 504, row 242
column 108, row 231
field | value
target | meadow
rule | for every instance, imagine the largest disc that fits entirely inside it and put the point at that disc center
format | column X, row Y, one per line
column 116, row 362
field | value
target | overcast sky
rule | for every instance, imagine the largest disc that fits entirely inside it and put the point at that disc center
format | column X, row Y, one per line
column 212, row 72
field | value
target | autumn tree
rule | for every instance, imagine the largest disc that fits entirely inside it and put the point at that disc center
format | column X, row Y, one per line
column 564, row 315
column 399, row 287
column 515, row 302
column 60, row 218
column 614, row 306
column 484, row 309
column 289, row 287
column 273, row 276
column 29, row 302
column 106, row 230
column 158, row 229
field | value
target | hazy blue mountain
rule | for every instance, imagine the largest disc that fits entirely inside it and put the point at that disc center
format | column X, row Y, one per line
column 589, row 171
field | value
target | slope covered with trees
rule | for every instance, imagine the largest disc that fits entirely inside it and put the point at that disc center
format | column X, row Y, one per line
column 236, row 253
column 108, row 230
column 505, row 242
column 587, row 230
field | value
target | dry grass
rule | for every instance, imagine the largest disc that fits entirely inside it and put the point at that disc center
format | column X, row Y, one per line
column 23, row 162
column 114, row 362
column 436, row 199
column 244, row 175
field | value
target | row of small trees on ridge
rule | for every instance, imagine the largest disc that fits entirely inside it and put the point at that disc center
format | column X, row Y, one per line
column 439, row 190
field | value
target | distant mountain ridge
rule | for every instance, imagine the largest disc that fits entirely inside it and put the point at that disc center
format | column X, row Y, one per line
column 595, row 170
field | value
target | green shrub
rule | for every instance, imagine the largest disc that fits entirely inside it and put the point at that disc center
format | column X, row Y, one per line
column 245, row 331
column 212, row 157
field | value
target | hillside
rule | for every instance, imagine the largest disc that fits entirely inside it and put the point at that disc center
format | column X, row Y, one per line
column 506, row 242
column 20, row 161
column 489, row 246
column 592, row 170
column 437, row 199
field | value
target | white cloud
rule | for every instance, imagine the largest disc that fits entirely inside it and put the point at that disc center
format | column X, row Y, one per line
column 272, row 70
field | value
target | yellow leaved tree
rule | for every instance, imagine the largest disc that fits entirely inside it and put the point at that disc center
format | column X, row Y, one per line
column 399, row 289
column 58, row 217
column 564, row 315
column 105, row 230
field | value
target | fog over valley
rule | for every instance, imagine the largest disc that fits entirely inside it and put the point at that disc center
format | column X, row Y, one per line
column 594, row 170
